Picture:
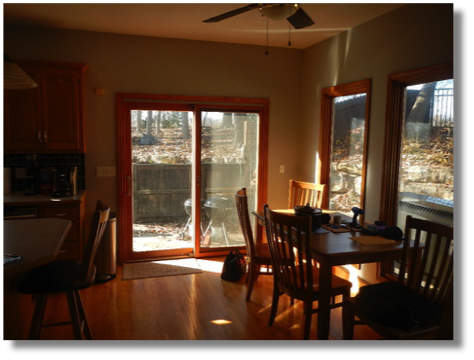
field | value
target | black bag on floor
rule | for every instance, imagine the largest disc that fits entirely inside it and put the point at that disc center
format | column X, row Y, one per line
column 234, row 266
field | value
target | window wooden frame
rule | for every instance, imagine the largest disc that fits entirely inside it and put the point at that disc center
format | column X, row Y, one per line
column 325, row 137
column 394, row 122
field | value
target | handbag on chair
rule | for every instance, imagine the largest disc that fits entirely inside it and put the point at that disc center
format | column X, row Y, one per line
column 234, row 266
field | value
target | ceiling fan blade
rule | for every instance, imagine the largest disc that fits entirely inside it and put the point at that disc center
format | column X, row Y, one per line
column 232, row 13
column 300, row 19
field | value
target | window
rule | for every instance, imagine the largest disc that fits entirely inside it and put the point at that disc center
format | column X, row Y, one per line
column 418, row 178
column 427, row 153
column 418, row 156
column 343, row 145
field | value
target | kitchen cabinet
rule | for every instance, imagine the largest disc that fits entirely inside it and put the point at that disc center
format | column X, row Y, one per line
column 49, row 118
column 70, row 208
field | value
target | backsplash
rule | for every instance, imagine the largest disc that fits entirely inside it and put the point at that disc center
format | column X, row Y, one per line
column 18, row 163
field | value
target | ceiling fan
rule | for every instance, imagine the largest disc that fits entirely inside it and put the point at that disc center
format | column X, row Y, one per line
column 295, row 15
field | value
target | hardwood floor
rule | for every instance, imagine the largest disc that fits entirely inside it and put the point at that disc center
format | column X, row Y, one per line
column 188, row 307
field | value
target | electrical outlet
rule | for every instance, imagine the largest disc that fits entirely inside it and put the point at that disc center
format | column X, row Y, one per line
column 105, row 171
column 282, row 169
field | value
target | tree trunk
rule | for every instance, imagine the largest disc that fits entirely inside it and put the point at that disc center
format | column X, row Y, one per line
column 158, row 125
column 139, row 122
column 149, row 122
column 422, row 104
column 227, row 120
column 185, row 124
column 239, row 129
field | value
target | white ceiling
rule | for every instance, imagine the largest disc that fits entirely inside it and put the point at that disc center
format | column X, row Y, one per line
column 185, row 20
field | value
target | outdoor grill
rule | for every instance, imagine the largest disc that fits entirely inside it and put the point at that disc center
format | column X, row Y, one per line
column 188, row 207
column 216, row 209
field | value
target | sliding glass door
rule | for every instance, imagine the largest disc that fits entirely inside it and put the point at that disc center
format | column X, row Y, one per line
column 180, row 165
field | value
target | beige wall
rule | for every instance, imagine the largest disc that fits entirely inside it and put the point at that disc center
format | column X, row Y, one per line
column 133, row 64
column 411, row 37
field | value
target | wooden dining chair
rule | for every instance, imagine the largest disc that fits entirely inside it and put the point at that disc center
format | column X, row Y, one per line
column 419, row 305
column 258, row 254
column 67, row 276
column 302, row 193
column 293, row 272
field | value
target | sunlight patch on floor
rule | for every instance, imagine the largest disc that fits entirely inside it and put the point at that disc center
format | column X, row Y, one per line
column 210, row 266
column 221, row 322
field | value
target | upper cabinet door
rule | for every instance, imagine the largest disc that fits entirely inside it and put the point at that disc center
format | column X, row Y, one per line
column 62, row 113
column 23, row 128
column 50, row 118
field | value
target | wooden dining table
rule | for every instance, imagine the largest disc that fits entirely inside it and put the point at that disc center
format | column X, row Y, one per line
column 332, row 249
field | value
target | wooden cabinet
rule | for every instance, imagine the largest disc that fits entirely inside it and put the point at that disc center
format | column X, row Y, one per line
column 49, row 118
column 72, row 247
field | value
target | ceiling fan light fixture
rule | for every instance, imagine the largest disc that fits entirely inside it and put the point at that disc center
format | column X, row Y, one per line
column 278, row 11
column 14, row 77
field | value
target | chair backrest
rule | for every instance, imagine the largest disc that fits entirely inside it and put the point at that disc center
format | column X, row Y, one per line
column 288, row 236
column 427, row 266
column 98, row 225
column 302, row 193
column 241, row 203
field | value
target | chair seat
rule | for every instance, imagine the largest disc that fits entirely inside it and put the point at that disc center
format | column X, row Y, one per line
column 419, row 306
column 262, row 252
column 57, row 276
column 392, row 304
column 337, row 283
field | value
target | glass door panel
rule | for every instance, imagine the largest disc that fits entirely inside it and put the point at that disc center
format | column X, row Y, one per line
column 229, row 161
column 161, row 165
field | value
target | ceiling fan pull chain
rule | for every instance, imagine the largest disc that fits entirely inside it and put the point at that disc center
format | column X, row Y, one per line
column 266, row 51
column 289, row 35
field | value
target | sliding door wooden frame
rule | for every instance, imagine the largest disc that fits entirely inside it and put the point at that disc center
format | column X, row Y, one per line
column 127, row 101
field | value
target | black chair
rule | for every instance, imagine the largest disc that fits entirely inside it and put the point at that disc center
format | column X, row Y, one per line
column 67, row 276
column 419, row 306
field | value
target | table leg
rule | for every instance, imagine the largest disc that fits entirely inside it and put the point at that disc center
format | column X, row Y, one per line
column 324, row 309
column 260, row 230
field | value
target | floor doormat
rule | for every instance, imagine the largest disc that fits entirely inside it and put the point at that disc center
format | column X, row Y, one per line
column 151, row 269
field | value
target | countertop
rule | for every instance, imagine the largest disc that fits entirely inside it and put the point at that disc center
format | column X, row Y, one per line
column 20, row 199
column 38, row 241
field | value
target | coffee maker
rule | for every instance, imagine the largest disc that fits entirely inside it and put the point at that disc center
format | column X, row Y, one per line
column 66, row 182
column 31, row 169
